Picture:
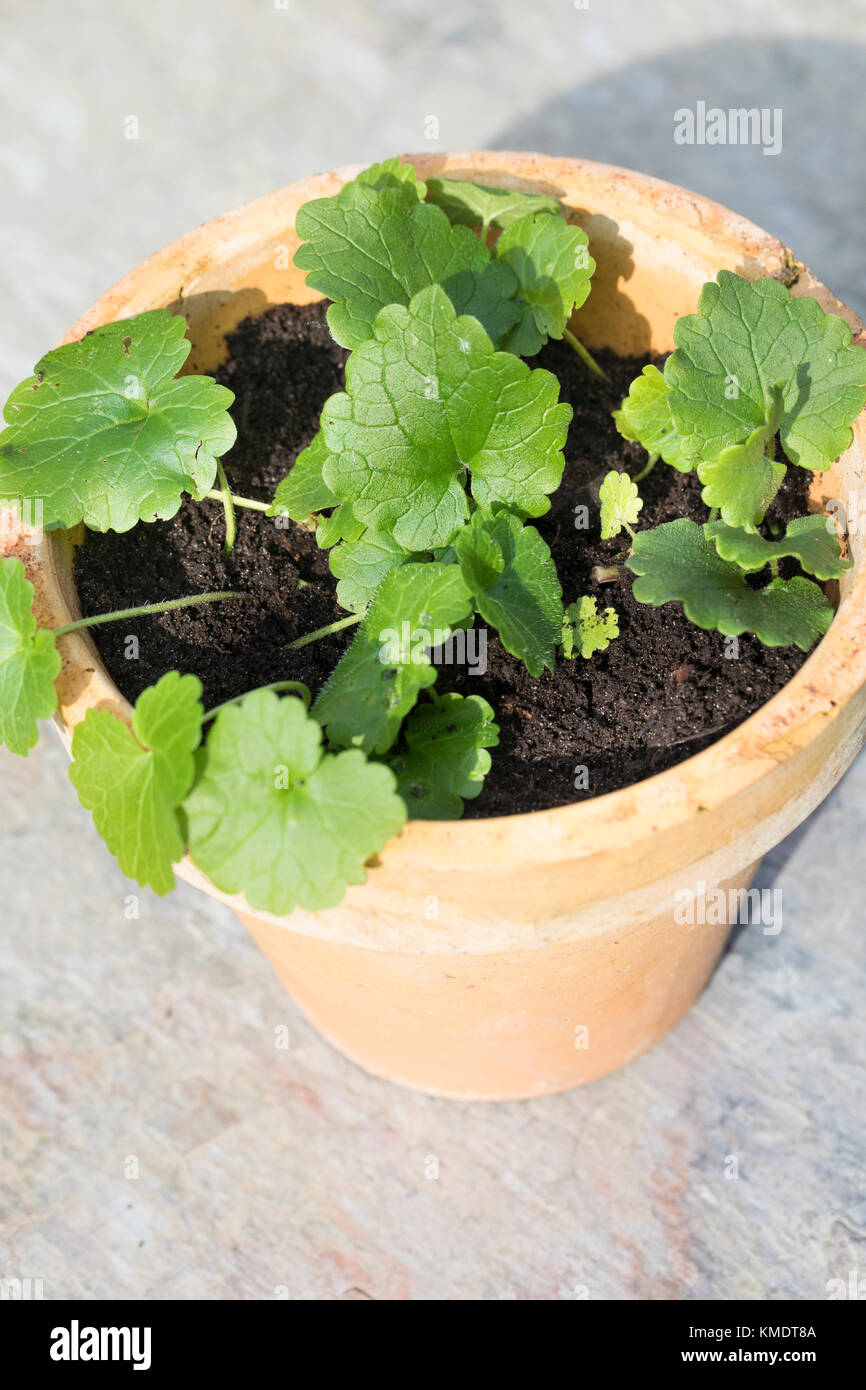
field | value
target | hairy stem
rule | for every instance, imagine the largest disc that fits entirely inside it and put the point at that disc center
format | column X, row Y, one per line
column 297, row 686
column 653, row 460
column 228, row 508
column 144, row 611
column 583, row 353
column 217, row 495
column 324, row 631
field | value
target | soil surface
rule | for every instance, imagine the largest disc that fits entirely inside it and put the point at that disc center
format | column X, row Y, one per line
column 660, row 693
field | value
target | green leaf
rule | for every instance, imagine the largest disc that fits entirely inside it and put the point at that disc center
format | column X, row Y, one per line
column 473, row 205
column 620, row 504
column 274, row 817
column 553, row 269
column 510, row 571
column 427, row 400
column 445, row 759
column 380, row 677
column 743, row 341
column 645, row 416
column 487, row 295
column 587, row 630
column 367, row 248
column 392, row 173
column 304, row 491
column 679, row 561
column 361, row 565
column 810, row 539
column 341, row 525
column 106, row 434
column 29, row 662
column 742, row 481
column 135, row 780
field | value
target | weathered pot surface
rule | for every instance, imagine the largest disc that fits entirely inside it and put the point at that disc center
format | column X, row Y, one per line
column 521, row 955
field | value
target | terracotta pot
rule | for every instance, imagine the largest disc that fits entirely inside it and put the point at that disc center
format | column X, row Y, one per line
column 473, row 953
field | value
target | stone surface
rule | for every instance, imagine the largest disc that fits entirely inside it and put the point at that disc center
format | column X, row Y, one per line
column 156, row 1138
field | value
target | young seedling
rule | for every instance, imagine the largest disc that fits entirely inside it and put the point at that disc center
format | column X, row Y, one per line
column 105, row 432
column 587, row 631
column 377, row 243
column 620, row 505
column 443, row 759
column 30, row 661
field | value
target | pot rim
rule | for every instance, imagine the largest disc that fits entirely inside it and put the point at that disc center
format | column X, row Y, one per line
column 728, row 768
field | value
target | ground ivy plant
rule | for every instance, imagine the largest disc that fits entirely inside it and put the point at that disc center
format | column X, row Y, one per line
column 423, row 484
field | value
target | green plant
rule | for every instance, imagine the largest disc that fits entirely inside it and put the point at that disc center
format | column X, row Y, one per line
column 422, row 483
column 752, row 364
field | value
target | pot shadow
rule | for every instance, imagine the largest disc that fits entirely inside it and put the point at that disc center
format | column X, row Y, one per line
column 627, row 117
column 210, row 316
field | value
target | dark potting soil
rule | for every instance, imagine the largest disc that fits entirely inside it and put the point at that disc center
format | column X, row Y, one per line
column 660, row 693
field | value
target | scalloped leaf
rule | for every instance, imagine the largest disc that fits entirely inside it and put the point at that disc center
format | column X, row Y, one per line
column 370, row 247
column 106, row 433
column 427, row 400
column 134, row 780
column 587, row 631
column 475, row 205
column 444, row 759
column 812, row 540
column 29, row 662
column 745, row 339
column 510, row 572
column 678, row 562
column 645, row 417
column 553, row 267
column 621, row 504
column 304, row 491
column 276, row 818
column 379, row 678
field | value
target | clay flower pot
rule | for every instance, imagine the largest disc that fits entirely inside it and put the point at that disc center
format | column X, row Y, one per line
column 510, row 957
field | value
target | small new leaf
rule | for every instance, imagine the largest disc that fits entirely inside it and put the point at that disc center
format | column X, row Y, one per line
column 106, row 433
column 29, row 662
column 392, row 173
column 587, row 630
column 368, row 247
column 553, row 269
column 134, row 780
column 743, row 341
column 445, row 759
column 274, row 817
column 304, row 491
column 380, row 677
column 474, row 205
column 678, row 561
column 811, row 540
column 361, row 564
column 510, row 572
column 742, row 481
column 620, row 504
column 645, row 416
column 427, row 400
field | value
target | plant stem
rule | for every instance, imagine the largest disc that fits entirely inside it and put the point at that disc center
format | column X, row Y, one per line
column 217, row 495
column 653, row 460
column 228, row 507
column 714, row 514
column 583, row 353
column 324, row 631
column 297, row 686
column 774, row 568
column 145, row 610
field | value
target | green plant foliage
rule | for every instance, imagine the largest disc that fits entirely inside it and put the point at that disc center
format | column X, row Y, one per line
column 276, row 818
column 106, row 433
column 134, row 780
column 678, row 561
column 553, row 268
column 426, row 400
column 509, row 570
column 587, row 631
column 620, row 504
column 645, row 416
column 474, row 205
column 29, row 662
column 444, row 758
column 387, row 666
column 811, row 540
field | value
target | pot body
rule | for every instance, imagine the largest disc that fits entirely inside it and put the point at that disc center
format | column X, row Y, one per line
column 521, row 955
